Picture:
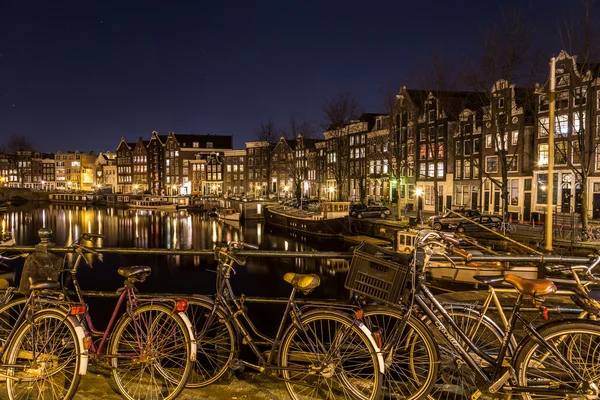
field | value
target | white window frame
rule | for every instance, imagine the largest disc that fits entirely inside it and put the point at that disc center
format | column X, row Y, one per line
column 486, row 164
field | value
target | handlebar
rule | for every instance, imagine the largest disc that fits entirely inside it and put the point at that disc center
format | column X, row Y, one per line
column 430, row 238
column 228, row 249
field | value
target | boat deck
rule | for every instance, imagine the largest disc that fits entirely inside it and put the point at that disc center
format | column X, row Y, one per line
column 361, row 238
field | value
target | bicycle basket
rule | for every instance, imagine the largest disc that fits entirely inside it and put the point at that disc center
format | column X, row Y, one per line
column 375, row 277
column 39, row 266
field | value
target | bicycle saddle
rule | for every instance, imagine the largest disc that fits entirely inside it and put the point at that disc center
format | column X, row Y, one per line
column 45, row 284
column 532, row 287
column 302, row 282
column 129, row 272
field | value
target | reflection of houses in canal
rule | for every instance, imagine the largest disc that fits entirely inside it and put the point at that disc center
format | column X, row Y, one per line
column 333, row 266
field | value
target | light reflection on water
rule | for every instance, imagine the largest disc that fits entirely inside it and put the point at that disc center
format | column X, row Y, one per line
column 125, row 228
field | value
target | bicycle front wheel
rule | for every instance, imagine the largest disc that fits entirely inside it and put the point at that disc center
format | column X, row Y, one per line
column 45, row 355
column 411, row 362
column 329, row 357
column 150, row 351
column 578, row 341
column 216, row 341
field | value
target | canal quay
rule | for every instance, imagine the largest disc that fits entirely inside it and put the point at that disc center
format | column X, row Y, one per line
column 262, row 278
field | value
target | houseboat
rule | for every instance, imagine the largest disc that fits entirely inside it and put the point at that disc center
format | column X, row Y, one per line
column 117, row 200
column 152, row 203
column 79, row 199
column 331, row 221
column 463, row 272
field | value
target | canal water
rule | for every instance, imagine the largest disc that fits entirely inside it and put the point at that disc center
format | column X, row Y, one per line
column 125, row 228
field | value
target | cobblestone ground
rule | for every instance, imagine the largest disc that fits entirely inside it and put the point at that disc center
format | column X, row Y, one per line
column 250, row 386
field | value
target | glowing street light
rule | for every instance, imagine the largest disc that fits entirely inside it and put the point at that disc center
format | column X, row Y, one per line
column 258, row 188
column 419, row 193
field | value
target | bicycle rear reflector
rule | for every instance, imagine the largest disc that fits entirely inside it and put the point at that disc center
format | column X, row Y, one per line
column 181, row 305
column 78, row 310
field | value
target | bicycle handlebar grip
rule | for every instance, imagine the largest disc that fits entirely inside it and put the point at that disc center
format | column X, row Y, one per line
column 251, row 246
column 463, row 253
column 451, row 240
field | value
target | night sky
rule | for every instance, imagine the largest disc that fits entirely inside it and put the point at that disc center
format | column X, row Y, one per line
column 79, row 75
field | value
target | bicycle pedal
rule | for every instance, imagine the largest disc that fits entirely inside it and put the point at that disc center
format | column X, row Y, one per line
column 236, row 364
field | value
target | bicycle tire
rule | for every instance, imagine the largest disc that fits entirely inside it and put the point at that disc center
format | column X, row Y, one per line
column 9, row 314
column 405, row 378
column 55, row 373
column 456, row 381
column 149, row 372
column 332, row 331
column 216, row 345
column 572, row 338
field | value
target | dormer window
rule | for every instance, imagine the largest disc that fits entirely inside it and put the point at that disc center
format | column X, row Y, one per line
column 195, row 144
column 209, row 145
column 501, row 102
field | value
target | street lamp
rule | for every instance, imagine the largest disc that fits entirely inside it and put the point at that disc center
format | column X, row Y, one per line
column 173, row 189
column 258, row 187
column 419, row 205
column 286, row 189
column 135, row 188
column 43, row 185
column 331, row 190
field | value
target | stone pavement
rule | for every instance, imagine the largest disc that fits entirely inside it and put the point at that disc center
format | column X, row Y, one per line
column 249, row 386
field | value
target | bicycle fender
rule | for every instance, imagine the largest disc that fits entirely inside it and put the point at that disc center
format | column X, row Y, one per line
column 188, row 324
column 369, row 334
column 81, row 339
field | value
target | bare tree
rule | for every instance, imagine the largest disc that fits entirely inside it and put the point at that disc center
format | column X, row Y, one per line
column 579, row 34
column 17, row 142
column 268, row 132
column 338, row 112
column 510, row 55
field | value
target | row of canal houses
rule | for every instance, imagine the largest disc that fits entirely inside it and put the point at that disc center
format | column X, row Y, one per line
column 442, row 149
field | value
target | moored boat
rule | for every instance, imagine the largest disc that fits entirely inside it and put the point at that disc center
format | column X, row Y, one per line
column 331, row 221
column 150, row 203
column 464, row 272
column 229, row 214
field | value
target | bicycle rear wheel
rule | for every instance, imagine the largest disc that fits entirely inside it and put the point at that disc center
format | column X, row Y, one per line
column 9, row 314
column 329, row 357
column 411, row 365
column 150, row 352
column 216, row 341
column 46, row 354
column 578, row 340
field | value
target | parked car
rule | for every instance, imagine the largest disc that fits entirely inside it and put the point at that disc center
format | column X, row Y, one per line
column 439, row 222
column 355, row 208
column 373, row 211
column 493, row 222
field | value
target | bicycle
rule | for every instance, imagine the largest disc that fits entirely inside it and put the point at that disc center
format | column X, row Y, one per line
column 548, row 361
column 321, row 353
column 150, row 348
column 590, row 233
column 488, row 332
column 45, row 351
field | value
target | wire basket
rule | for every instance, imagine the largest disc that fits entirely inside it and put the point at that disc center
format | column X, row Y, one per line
column 375, row 277
column 39, row 266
